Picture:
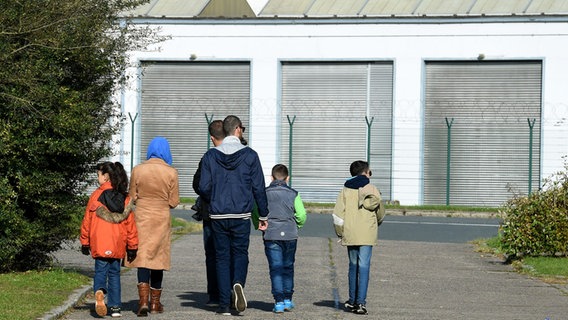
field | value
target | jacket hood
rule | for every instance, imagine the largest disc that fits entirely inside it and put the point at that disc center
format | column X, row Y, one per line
column 114, row 217
column 113, row 200
column 357, row 182
column 231, row 153
column 159, row 148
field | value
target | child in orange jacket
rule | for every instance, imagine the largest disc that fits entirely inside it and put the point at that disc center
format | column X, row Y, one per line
column 108, row 234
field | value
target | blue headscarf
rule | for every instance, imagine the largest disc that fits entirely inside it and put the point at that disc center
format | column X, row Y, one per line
column 159, row 148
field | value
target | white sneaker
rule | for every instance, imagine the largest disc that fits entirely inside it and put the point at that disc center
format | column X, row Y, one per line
column 115, row 312
column 240, row 300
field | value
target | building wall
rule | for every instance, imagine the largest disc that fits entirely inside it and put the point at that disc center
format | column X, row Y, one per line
column 408, row 45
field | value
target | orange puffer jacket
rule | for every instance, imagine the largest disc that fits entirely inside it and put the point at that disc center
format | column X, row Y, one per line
column 108, row 234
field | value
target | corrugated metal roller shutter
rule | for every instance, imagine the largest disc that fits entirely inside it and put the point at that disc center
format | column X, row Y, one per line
column 175, row 98
column 491, row 103
column 330, row 102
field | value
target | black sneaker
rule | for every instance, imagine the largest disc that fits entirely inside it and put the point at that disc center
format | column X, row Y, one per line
column 224, row 311
column 115, row 312
column 349, row 306
column 360, row 309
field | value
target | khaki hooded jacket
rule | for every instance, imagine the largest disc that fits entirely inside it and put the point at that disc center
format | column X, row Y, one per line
column 357, row 215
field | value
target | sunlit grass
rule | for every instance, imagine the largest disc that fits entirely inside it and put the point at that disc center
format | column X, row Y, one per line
column 547, row 266
column 29, row 295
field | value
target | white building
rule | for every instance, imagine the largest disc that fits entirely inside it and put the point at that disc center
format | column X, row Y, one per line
column 454, row 102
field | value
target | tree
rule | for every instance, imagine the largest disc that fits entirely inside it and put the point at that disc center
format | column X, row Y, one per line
column 60, row 63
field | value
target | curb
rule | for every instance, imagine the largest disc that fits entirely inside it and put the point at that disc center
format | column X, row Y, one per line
column 72, row 300
column 401, row 212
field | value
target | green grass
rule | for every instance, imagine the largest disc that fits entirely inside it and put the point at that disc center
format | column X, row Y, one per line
column 549, row 269
column 547, row 266
column 29, row 295
column 181, row 226
column 187, row 200
column 444, row 208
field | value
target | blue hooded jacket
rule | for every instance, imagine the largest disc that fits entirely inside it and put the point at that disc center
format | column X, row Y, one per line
column 232, row 181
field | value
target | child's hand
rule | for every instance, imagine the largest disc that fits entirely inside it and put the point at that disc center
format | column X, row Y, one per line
column 262, row 225
column 131, row 254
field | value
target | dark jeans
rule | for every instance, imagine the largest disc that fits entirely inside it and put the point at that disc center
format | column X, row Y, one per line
column 232, row 237
column 281, row 255
column 107, row 278
column 209, row 246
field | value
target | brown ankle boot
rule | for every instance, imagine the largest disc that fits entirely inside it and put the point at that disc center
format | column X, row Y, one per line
column 144, row 293
column 155, row 305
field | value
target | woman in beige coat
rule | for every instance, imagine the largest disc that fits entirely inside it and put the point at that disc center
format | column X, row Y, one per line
column 154, row 187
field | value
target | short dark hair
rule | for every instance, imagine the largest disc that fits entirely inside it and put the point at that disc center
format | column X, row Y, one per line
column 216, row 129
column 358, row 167
column 280, row 172
column 230, row 124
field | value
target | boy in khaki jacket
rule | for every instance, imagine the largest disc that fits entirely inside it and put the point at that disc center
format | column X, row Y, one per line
column 357, row 215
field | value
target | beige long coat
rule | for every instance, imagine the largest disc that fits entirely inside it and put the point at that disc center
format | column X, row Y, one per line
column 154, row 186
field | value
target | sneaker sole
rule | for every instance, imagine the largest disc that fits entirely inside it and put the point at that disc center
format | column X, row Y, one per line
column 240, row 300
column 223, row 313
column 100, row 307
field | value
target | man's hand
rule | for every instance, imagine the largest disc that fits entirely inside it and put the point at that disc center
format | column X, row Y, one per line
column 86, row 250
column 262, row 225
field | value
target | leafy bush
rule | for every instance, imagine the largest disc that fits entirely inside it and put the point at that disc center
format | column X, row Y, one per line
column 60, row 64
column 538, row 224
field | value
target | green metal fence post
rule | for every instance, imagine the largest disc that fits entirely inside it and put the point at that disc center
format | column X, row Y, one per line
column 531, row 126
column 369, row 124
column 448, row 158
column 209, row 120
column 132, row 120
column 290, row 138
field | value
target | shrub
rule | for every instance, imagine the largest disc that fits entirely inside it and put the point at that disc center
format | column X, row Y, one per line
column 60, row 64
column 537, row 224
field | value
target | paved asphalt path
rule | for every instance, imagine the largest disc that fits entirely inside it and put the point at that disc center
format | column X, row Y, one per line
column 405, row 228
column 409, row 280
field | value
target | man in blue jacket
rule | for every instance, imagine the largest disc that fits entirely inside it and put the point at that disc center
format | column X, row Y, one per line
column 232, row 181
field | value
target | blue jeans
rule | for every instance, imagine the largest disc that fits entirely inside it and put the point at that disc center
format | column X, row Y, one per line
column 359, row 265
column 211, row 271
column 281, row 255
column 107, row 278
column 232, row 238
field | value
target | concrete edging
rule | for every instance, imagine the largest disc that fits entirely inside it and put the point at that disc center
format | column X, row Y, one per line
column 72, row 300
